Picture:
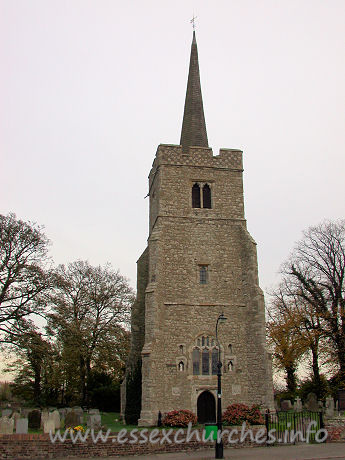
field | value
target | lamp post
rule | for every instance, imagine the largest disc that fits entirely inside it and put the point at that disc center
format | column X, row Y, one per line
column 219, row 442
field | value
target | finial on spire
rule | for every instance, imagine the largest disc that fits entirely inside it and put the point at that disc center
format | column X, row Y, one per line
column 192, row 21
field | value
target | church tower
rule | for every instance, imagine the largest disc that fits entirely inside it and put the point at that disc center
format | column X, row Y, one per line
column 200, row 262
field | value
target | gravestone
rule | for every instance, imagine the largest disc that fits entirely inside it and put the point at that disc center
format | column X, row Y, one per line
column 34, row 419
column 62, row 412
column 25, row 412
column 22, row 426
column 15, row 416
column 44, row 417
column 285, row 405
column 78, row 410
column 55, row 416
column 298, row 405
column 94, row 422
column 49, row 426
column 72, row 419
column 329, row 412
column 6, row 412
column 94, row 411
column 311, row 402
column 6, row 425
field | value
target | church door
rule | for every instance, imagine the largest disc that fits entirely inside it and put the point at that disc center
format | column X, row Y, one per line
column 206, row 408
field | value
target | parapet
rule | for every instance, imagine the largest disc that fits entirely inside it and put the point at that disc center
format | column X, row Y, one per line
column 198, row 156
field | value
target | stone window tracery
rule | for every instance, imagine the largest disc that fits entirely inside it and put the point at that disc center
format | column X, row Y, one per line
column 205, row 356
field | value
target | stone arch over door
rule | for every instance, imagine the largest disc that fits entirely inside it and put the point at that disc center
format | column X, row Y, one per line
column 206, row 407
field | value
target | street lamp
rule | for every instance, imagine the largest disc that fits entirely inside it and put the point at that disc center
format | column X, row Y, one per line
column 219, row 443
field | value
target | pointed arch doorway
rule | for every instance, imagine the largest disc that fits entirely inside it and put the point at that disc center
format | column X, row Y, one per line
column 206, row 407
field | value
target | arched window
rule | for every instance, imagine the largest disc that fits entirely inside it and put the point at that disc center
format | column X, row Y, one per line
column 181, row 349
column 206, row 196
column 205, row 356
column 214, row 361
column 230, row 366
column 196, row 361
column 181, row 366
column 205, row 361
column 196, row 196
column 230, row 348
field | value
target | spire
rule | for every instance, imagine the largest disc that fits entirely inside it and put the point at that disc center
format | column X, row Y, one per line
column 193, row 127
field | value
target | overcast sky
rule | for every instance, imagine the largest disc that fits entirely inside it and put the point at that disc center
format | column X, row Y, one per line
column 88, row 89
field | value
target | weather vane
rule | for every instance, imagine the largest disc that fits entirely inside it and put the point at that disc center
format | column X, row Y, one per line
column 192, row 21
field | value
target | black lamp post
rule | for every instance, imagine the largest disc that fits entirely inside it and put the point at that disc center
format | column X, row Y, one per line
column 219, row 443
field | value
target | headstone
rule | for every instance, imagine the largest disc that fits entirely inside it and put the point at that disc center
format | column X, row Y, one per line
column 6, row 425
column 285, row 405
column 34, row 419
column 55, row 416
column 15, row 416
column 94, row 411
column 311, row 402
column 78, row 410
column 6, row 412
column 44, row 417
column 94, row 422
column 72, row 419
column 49, row 426
column 298, row 405
column 22, row 426
column 62, row 412
column 25, row 412
column 329, row 412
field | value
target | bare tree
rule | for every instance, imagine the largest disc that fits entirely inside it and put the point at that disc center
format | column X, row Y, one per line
column 23, row 274
column 315, row 275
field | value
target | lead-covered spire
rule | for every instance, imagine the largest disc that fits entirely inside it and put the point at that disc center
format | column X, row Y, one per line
column 193, row 126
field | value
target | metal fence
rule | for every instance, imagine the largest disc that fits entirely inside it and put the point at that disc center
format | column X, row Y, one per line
column 292, row 427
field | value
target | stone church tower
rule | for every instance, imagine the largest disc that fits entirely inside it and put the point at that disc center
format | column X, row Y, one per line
column 200, row 262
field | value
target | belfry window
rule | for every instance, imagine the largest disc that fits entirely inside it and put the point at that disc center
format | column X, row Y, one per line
column 205, row 356
column 206, row 196
column 201, row 196
column 196, row 203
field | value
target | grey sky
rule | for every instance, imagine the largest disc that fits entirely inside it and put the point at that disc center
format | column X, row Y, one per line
column 88, row 90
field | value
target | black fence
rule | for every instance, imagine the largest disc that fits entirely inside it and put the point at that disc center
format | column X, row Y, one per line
column 292, row 427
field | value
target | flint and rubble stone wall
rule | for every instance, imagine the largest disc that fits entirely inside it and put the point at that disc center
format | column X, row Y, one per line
column 178, row 308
